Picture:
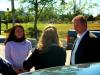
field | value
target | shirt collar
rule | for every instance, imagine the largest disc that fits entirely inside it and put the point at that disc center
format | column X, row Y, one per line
column 80, row 36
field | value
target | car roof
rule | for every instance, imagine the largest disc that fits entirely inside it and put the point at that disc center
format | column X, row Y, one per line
column 79, row 69
column 3, row 36
column 95, row 31
column 89, row 30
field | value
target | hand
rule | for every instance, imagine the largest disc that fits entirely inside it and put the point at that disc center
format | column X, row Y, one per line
column 20, row 70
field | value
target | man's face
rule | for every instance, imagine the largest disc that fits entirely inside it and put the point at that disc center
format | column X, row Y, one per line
column 79, row 27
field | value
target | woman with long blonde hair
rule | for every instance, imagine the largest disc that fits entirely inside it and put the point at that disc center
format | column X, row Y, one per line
column 49, row 51
column 48, row 37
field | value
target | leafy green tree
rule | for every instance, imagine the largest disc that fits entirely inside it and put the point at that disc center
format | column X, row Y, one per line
column 36, row 6
column 48, row 14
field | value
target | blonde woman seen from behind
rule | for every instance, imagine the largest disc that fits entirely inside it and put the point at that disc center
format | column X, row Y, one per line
column 49, row 51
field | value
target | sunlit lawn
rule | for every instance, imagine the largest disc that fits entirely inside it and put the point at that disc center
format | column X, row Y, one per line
column 62, row 28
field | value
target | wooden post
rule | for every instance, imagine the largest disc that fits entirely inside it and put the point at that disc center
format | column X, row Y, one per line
column 0, row 25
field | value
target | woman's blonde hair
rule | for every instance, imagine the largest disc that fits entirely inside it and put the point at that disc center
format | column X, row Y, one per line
column 48, row 37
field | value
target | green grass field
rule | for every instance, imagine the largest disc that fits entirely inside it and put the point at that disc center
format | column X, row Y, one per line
column 62, row 28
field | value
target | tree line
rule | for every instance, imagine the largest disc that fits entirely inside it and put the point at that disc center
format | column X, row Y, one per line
column 51, row 11
column 48, row 15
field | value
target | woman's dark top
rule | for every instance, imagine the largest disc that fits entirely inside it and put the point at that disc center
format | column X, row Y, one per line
column 53, row 56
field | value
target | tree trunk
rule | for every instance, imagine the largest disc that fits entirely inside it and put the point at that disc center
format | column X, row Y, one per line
column 74, row 8
column 13, row 12
column 35, row 21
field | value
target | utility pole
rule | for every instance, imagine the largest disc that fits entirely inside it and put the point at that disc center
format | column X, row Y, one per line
column 13, row 12
column 7, row 19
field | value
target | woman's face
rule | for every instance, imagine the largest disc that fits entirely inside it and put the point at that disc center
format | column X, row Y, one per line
column 19, row 32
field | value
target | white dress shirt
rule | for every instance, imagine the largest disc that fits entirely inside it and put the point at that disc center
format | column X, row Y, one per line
column 79, row 38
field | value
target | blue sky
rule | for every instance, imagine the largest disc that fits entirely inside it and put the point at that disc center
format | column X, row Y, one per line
column 4, row 4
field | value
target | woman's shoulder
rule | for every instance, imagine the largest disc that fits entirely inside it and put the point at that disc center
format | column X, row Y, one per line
column 27, row 41
column 55, row 47
column 10, row 42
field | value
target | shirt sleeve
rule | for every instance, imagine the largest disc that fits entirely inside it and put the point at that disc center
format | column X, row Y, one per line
column 30, row 46
column 8, row 53
column 29, row 49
